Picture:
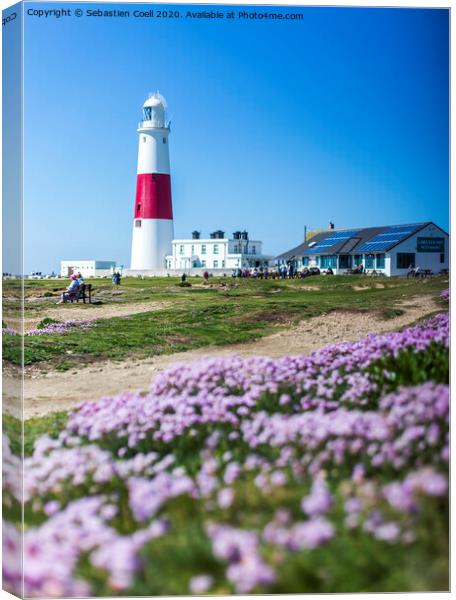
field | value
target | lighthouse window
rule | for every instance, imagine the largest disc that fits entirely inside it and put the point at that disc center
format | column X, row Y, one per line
column 147, row 113
column 164, row 140
column 138, row 223
column 144, row 138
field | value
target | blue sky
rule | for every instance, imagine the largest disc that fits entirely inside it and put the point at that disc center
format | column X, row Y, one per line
column 340, row 116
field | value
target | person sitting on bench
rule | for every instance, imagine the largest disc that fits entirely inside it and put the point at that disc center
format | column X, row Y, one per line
column 71, row 291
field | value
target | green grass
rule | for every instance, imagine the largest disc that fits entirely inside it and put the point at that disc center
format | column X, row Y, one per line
column 222, row 311
column 35, row 427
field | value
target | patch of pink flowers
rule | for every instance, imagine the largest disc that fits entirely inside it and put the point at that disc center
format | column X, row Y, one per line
column 328, row 432
column 64, row 327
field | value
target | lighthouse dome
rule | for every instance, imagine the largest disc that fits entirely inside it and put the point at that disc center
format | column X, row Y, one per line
column 154, row 110
column 155, row 99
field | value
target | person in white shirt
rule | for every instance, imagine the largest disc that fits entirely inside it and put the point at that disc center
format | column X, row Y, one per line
column 72, row 288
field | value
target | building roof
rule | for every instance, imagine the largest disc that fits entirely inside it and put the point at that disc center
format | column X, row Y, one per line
column 353, row 241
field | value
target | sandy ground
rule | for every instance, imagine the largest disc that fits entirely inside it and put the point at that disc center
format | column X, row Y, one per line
column 83, row 312
column 45, row 393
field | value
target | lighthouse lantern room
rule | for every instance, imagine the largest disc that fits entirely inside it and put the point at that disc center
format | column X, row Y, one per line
column 153, row 215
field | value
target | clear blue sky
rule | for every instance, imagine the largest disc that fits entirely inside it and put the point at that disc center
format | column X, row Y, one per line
column 342, row 115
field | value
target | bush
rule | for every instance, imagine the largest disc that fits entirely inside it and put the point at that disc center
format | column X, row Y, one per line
column 45, row 322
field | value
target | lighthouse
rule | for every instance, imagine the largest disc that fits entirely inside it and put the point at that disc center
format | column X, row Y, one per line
column 153, row 215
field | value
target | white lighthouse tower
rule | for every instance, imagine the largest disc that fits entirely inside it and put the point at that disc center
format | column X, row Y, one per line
column 153, row 216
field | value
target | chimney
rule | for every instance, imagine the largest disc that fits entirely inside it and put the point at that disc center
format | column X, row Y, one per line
column 331, row 225
column 196, row 235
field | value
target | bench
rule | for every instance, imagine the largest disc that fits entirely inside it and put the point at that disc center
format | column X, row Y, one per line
column 84, row 292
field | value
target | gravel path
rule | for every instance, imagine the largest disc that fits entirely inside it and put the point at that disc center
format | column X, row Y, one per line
column 56, row 391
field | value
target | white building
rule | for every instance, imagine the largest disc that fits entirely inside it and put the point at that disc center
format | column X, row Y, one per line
column 217, row 254
column 389, row 250
column 87, row 268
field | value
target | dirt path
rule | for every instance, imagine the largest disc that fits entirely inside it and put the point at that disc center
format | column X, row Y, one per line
column 83, row 312
column 56, row 391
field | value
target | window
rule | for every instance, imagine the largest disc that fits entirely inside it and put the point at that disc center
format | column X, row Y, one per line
column 369, row 261
column 138, row 207
column 144, row 138
column 236, row 249
column 147, row 113
column 215, row 264
column 442, row 257
column 203, row 249
column 380, row 261
column 164, row 140
column 181, row 249
column 193, row 249
column 345, row 261
column 305, row 261
column 405, row 259
column 253, row 249
column 328, row 261
column 223, row 264
column 216, row 249
column 357, row 259
column 138, row 223
column 203, row 263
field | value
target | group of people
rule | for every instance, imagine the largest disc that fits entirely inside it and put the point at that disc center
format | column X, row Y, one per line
column 287, row 271
column 255, row 272
column 76, row 281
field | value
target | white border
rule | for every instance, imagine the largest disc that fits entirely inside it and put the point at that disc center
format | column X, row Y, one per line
column 335, row 3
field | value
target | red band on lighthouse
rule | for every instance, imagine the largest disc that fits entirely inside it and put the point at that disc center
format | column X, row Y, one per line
column 153, row 196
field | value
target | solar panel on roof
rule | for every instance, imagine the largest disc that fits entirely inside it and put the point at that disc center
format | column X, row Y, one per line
column 334, row 238
column 392, row 234
column 374, row 246
column 386, row 239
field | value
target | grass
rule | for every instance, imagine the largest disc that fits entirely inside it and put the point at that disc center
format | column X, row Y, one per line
column 35, row 427
column 221, row 311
